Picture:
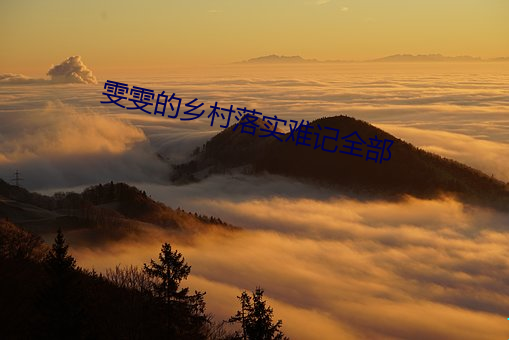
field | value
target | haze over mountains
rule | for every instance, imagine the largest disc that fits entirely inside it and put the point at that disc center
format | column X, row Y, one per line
column 281, row 59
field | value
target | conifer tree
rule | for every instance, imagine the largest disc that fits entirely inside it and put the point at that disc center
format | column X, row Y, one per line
column 58, row 260
column 185, row 316
column 168, row 274
column 255, row 317
column 61, row 298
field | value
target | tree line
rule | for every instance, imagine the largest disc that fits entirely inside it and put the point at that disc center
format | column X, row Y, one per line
column 53, row 298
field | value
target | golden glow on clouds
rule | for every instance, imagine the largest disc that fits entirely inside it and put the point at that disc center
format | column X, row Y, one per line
column 58, row 131
column 136, row 35
column 343, row 269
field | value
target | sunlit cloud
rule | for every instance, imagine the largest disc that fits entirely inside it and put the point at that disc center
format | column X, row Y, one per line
column 72, row 70
column 71, row 146
column 488, row 156
column 344, row 264
column 59, row 129
column 472, row 110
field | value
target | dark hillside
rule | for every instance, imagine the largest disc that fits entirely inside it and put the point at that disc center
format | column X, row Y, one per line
column 410, row 171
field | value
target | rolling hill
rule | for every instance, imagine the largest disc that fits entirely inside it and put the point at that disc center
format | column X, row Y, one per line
column 115, row 208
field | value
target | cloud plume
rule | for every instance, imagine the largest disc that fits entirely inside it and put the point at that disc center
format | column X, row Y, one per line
column 72, row 70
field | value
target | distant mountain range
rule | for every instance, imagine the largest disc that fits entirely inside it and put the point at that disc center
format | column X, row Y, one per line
column 277, row 59
column 410, row 171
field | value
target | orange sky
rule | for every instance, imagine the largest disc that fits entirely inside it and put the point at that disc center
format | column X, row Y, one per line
column 135, row 35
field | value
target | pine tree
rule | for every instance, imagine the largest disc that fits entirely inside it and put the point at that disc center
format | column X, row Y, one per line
column 185, row 316
column 168, row 274
column 255, row 318
column 61, row 299
column 58, row 260
column 242, row 315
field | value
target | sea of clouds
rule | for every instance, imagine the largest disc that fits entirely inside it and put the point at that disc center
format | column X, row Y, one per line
column 459, row 112
column 333, row 266
column 337, row 267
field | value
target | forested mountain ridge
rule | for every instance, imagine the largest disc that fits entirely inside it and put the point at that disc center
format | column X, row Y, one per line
column 116, row 208
column 410, row 170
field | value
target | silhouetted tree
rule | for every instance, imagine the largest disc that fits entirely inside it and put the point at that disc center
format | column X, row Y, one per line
column 255, row 318
column 61, row 301
column 185, row 316
column 49, row 297
column 58, row 260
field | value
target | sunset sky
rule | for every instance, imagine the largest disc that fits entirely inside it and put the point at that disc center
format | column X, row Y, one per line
column 337, row 260
column 137, row 35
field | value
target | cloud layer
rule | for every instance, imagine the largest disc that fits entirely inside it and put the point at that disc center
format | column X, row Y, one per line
column 420, row 269
column 340, row 268
column 430, row 100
